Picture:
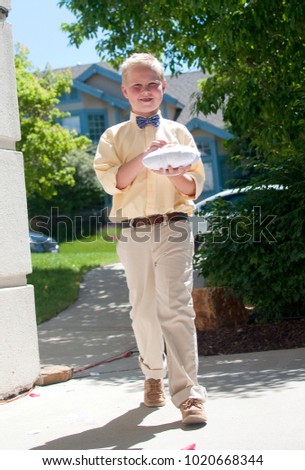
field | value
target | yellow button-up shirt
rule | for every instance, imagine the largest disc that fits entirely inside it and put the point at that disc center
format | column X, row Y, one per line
column 149, row 193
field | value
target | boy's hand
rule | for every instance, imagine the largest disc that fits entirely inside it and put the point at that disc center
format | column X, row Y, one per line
column 155, row 145
column 170, row 171
column 129, row 171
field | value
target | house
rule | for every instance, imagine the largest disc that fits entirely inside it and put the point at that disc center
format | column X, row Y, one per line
column 96, row 102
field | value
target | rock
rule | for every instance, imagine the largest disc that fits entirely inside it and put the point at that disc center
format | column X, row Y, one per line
column 54, row 374
column 217, row 307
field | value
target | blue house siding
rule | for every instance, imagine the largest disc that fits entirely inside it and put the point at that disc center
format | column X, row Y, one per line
column 103, row 71
column 73, row 97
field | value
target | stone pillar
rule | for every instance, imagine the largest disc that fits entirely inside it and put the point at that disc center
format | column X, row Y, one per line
column 19, row 356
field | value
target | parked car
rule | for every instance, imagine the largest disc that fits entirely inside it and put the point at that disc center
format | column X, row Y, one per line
column 200, row 219
column 40, row 243
column 200, row 222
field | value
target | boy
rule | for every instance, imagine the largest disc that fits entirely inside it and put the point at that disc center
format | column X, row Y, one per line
column 156, row 245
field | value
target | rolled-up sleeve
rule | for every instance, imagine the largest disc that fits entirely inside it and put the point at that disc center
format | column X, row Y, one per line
column 106, row 165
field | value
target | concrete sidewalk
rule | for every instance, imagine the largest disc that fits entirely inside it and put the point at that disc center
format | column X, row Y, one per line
column 256, row 401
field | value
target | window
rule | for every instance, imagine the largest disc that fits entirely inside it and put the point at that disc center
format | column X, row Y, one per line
column 72, row 123
column 96, row 126
column 209, row 180
column 206, row 147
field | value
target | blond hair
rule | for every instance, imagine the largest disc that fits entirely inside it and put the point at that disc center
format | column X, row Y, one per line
column 142, row 58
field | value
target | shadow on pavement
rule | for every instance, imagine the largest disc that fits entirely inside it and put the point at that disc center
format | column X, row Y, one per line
column 96, row 326
column 248, row 374
column 123, row 432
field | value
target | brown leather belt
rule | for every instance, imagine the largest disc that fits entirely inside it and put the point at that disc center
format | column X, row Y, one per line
column 155, row 219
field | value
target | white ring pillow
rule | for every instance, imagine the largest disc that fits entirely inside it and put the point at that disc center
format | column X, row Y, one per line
column 173, row 155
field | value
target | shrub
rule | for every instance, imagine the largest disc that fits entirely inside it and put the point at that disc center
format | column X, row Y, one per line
column 257, row 248
column 74, row 212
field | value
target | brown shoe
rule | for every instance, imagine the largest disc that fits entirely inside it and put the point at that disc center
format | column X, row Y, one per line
column 193, row 411
column 154, row 393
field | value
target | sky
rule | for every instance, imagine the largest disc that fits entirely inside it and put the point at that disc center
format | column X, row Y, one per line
column 36, row 25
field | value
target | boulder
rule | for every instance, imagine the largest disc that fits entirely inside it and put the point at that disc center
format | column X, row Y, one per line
column 217, row 307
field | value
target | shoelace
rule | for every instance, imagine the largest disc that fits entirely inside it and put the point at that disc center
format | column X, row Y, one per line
column 155, row 388
column 192, row 402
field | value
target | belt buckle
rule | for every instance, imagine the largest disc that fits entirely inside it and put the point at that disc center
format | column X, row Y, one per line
column 132, row 223
column 165, row 219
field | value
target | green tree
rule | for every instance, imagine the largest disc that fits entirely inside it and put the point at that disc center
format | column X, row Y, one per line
column 253, row 49
column 81, row 203
column 45, row 143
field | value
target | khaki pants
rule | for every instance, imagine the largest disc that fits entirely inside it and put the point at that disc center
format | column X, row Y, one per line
column 158, row 266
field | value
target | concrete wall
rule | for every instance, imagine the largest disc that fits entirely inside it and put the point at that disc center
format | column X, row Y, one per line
column 19, row 356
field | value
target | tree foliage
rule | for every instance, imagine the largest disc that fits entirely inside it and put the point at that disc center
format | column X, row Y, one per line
column 45, row 143
column 254, row 51
column 80, row 203
column 85, row 193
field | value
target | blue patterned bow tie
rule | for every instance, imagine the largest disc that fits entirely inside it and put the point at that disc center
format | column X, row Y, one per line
column 143, row 122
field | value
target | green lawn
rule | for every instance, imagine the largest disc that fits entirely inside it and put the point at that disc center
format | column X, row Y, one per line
column 57, row 277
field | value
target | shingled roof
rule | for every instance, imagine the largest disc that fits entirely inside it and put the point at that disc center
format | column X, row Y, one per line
column 79, row 69
column 183, row 87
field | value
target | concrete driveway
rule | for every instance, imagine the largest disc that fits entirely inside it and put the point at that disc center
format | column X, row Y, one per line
column 256, row 400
